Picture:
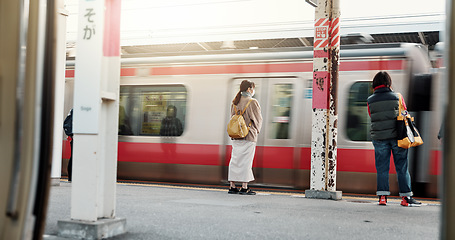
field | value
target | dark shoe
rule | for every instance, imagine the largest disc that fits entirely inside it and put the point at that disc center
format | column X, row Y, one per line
column 233, row 190
column 383, row 200
column 410, row 202
column 247, row 191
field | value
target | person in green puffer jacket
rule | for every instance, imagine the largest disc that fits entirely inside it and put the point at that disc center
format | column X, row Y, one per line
column 383, row 107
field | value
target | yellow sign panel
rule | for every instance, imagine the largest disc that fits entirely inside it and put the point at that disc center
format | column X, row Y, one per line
column 153, row 111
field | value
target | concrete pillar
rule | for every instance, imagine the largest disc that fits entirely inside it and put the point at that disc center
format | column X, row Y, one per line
column 325, row 116
column 448, row 177
column 59, row 92
column 95, row 123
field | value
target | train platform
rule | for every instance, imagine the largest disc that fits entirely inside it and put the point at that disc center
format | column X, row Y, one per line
column 165, row 211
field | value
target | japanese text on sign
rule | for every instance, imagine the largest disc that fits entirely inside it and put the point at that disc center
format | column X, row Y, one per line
column 321, row 32
column 89, row 29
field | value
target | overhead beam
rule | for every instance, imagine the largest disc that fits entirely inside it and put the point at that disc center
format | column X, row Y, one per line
column 204, row 46
column 305, row 41
column 422, row 38
column 274, row 46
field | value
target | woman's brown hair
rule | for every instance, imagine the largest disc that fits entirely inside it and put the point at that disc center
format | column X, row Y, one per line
column 243, row 87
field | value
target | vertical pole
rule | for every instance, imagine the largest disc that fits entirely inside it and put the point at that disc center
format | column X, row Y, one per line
column 95, row 123
column 325, row 118
column 59, row 93
column 96, row 91
column 110, row 88
column 334, row 53
column 86, row 113
column 448, row 177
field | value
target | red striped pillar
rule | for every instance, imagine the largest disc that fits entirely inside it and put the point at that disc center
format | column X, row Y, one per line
column 324, row 119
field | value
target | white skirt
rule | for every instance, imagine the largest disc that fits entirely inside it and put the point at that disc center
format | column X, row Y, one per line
column 240, row 166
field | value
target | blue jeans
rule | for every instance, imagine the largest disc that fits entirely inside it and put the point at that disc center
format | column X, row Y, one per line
column 382, row 149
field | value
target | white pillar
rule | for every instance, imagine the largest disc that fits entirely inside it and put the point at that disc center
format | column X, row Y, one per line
column 95, row 121
column 448, row 179
column 59, row 93
column 324, row 120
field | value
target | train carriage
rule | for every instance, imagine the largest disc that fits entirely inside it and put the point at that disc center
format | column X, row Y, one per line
column 192, row 94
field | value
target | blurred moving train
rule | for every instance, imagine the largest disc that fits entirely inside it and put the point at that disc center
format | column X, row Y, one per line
column 174, row 110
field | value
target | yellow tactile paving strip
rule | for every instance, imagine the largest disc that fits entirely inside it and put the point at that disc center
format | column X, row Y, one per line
column 348, row 197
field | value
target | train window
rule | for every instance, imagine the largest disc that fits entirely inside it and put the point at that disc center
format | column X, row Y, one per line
column 152, row 110
column 282, row 95
column 358, row 120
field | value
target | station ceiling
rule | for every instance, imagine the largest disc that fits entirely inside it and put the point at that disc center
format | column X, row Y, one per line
column 426, row 38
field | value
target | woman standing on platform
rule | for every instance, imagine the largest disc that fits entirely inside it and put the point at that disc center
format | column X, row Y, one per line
column 383, row 107
column 243, row 150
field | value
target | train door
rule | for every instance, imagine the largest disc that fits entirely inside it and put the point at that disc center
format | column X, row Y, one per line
column 277, row 149
column 276, row 152
column 27, row 70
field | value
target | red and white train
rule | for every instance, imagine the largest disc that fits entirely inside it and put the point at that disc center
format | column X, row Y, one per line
column 201, row 87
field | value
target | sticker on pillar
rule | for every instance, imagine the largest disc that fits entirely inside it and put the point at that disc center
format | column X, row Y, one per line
column 321, row 54
column 321, row 90
column 321, row 33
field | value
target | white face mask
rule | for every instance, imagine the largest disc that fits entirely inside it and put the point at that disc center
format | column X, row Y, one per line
column 254, row 92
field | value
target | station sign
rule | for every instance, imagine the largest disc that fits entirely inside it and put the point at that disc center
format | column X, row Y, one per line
column 88, row 67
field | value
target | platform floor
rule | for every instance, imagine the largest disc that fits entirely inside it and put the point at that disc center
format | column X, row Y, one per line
column 161, row 211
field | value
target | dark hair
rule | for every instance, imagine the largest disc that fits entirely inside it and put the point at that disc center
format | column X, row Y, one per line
column 382, row 78
column 243, row 87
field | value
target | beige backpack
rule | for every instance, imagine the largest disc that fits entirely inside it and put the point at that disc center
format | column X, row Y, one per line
column 236, row 127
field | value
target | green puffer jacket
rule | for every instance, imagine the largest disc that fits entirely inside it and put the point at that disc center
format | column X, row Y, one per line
column 383, row 107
